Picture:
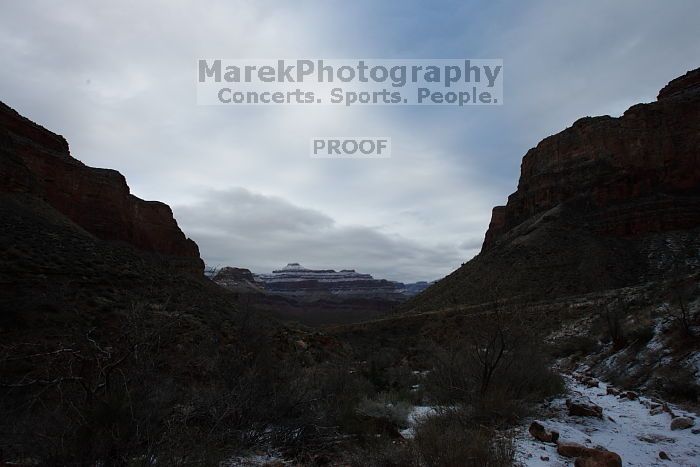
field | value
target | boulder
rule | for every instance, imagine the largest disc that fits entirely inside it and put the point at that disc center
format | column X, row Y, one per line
column 540, row 433
column 682, row 423
column 571, row 449
column 599, row 458
column 584, row 409
column 591, row 382
column 589, row 457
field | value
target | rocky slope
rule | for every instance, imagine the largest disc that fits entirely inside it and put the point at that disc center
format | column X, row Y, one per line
column 35, row 161
column 607, row 203
column 108, row 353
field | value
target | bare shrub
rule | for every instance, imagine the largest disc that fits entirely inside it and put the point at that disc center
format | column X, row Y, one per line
column 583, row 344
column 384, row 453
column 384, row 407
column 117, row 395
column 494, row 371
column 449, row 439
column 613, row 314
column 681, row 294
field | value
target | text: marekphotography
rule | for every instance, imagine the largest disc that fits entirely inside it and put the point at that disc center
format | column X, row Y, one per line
column 350, row 82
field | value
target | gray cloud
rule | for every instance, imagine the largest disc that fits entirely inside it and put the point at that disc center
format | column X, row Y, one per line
column 237, row 227
column 416, row 215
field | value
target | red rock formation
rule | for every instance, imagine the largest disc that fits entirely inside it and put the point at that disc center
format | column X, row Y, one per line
column 36, row 161
column 689, row 82
column 632, row 170
column 605, row 204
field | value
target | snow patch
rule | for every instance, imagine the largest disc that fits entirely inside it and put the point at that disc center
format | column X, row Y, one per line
column 256, row 460
column 417, row 414
column 627, row 428
column 693, row 362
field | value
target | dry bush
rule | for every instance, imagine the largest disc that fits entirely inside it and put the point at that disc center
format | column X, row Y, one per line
column 135, row 392
column 585, row 344
column 384, row 453
column 679, row 384
column 681, row 294
column 384, row 407
column 494, row 371
column 451, row 440
column 613, row 314
column 641, row 334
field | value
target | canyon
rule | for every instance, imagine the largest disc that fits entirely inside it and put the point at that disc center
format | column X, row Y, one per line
column 115, row 345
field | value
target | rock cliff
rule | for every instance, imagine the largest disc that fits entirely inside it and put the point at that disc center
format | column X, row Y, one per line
column 36, row 161
column 607, row 203
column 649, row 157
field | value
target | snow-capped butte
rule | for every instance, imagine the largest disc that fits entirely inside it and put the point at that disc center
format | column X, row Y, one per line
column 294, row 279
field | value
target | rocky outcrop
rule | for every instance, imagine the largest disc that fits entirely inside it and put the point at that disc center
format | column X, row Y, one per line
column 234, row 275
column 688, row 83
column 237, row 279
column 648, row 157
column 36, row 161
column 583, row 409
column 606, row 204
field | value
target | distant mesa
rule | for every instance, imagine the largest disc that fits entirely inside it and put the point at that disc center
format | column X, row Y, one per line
column 294, row 280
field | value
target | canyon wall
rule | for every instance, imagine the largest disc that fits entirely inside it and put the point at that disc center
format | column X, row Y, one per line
column 35, row 161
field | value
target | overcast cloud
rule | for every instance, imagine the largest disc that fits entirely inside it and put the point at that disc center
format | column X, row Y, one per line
column 118, row 80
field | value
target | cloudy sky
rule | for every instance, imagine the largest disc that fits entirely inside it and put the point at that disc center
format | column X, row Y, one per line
column 117, row 79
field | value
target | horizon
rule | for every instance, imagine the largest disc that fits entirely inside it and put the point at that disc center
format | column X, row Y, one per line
column 213, row 270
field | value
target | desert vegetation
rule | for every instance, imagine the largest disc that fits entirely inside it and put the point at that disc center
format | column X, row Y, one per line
column 472, row 388
column 162, row 387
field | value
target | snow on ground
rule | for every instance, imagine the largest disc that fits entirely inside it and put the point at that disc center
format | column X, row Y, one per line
column 633, row 432
column 256, row 460
column 418, row 413
column 693, row 361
